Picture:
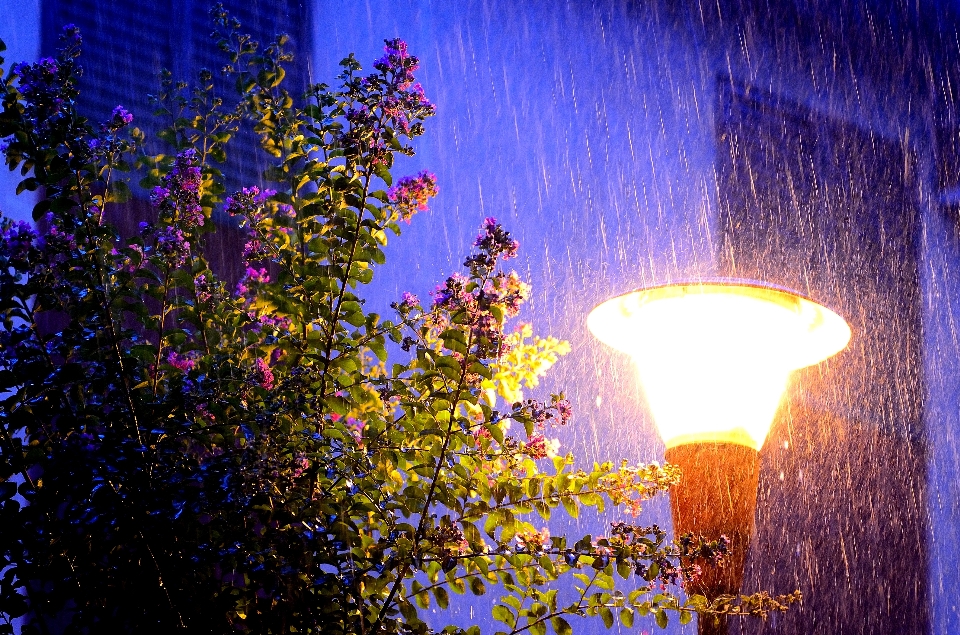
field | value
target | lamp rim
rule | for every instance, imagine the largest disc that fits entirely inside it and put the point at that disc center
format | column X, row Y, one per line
column 720, row 282
column 615, row 310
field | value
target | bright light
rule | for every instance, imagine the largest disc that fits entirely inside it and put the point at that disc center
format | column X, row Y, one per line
column 714, row 357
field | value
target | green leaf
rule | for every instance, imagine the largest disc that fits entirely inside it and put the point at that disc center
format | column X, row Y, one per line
column 31, row 184
column 662, row 618
column 477, row 586
column 505, row 615
column 686, row 617
column 561, row 626
column 443, row 598
column 626, row 617
column 423, row 599
column 607, row 615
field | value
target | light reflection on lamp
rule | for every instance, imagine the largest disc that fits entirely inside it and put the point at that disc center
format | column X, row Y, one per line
column 714, row 357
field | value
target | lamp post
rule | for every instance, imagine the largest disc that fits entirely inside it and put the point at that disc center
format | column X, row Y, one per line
column 713, row 358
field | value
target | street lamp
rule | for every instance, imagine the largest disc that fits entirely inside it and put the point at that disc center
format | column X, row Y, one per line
column 714, row 358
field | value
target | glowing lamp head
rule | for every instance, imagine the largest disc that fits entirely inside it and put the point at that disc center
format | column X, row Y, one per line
column 714, row 357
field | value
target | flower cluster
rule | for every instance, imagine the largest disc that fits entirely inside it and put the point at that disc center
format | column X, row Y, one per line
column 42, row 86
column 251, row 279
column 119, row 118
column 17, row 239
column 178, row 199
column 270, row 322
column 534, row 541
column 249, row 204
column 409, row 301
column 389, row 102
column 633, row 485
column 494, row 242
column 558, row 411
column 300, row 465
column 447, row 540
column 539, row 447
column 412, row 193
column 173, row 246
column 508, row 291
column 182, row 362
column 204, row 288
column 484, row 300
column 364, row 135
column 56, row 243
column 680, row 565
column 262, row 374
column 403, row 99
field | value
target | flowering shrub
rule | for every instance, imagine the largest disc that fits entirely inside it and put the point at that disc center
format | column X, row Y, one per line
column 179, row 454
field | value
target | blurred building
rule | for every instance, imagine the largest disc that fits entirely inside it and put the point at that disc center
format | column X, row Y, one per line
column 127, row 44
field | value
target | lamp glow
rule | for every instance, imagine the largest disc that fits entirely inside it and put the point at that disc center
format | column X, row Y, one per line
column 714, row 357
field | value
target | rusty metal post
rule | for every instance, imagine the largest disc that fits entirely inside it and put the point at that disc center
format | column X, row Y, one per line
column 717, row 496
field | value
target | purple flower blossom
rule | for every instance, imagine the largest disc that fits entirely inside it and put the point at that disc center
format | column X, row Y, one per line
column 496, row 241
column 409, row 300
column 129, row 262
column 178, row 199
column 248, row 202
column 400, row 103
column 268, row 321
column 396, row 59
column 158, row 195
column 258, row 276
column 253, row 250
column 121, row 115
column 538, row 447
column 183, row 363
column 119, row 118
column 507, row 290
column 412, row 193
column 272, row 321
column 16, row 240
column 403, row 99
column 38, row 81
column 203, row 288
column 301, row 464
column 452, row 294
column 56, row 243
column 252, row 277
column 173, row 245
column 262, row 375
column 71, row 36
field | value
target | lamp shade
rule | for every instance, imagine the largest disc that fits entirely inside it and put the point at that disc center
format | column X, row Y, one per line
column 714, row 357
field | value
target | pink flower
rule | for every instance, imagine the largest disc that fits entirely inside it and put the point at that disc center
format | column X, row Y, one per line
column 183, row 363
column 262, row 375
column 412, row 193
column 409, row 300
column 534, row 540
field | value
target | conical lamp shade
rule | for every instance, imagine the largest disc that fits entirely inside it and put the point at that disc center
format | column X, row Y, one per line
column 714, row 357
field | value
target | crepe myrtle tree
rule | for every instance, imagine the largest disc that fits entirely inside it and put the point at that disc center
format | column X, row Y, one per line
column 181, row 455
